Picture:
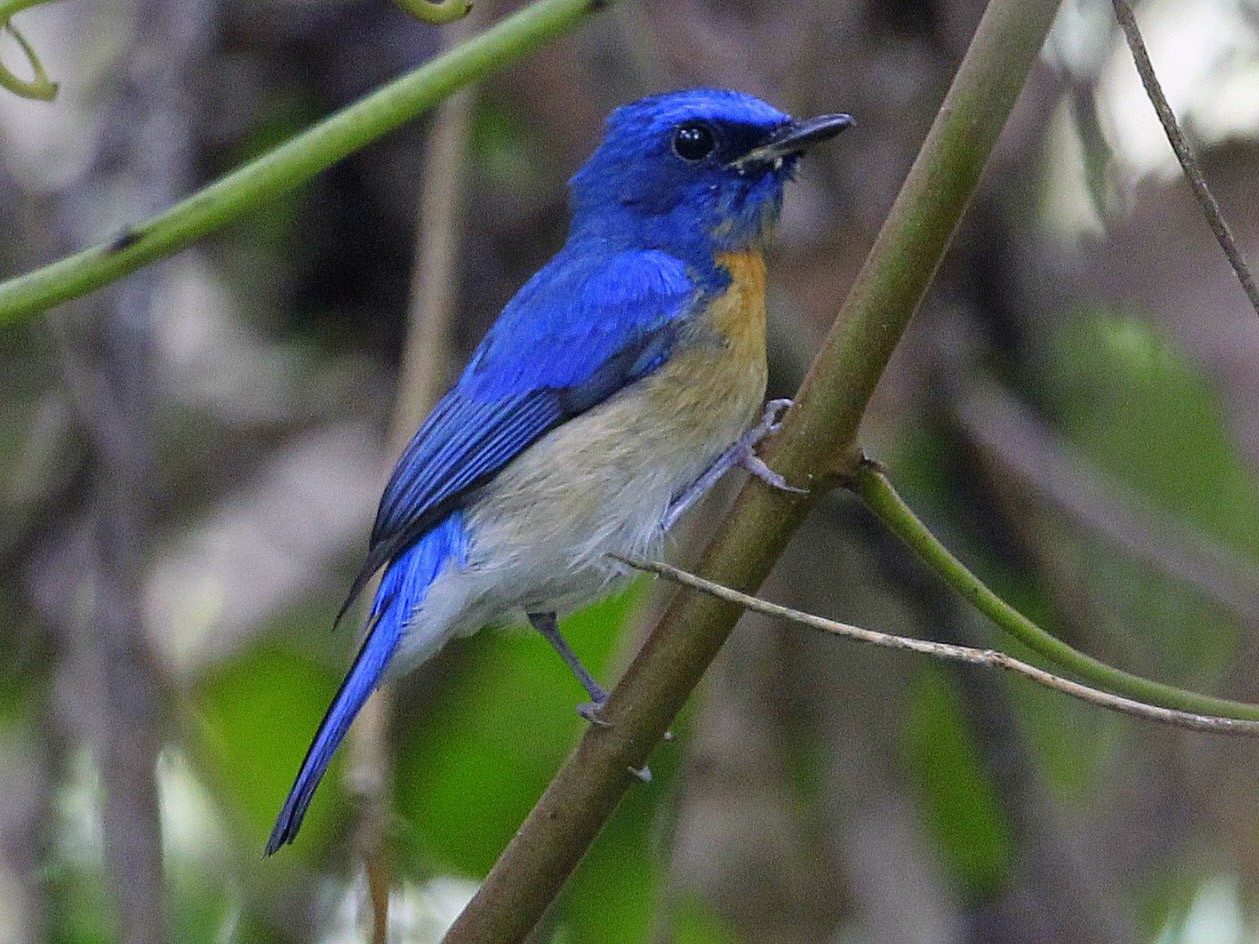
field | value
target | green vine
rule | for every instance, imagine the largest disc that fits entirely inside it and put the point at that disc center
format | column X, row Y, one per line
column 437, row 11
column 294, row 162
column 39, row 87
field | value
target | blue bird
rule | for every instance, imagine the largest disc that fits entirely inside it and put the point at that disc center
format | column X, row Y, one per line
column 615, row 388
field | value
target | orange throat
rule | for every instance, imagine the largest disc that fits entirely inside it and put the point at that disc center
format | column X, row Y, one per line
column 739, row 314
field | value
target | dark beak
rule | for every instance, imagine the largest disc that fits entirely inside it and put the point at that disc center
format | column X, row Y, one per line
column 795, row 138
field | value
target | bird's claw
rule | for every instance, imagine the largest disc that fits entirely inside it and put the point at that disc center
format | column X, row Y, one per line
column 589, row 710
column 756, row 465
column 771, row 422
column 642, row 774
column 771, row 419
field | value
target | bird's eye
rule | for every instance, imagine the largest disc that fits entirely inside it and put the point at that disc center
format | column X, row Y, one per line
column 693, row 141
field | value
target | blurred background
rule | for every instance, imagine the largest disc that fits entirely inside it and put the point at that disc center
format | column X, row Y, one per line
column 190, row 460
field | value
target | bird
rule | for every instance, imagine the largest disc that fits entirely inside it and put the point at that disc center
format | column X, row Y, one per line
column 614, row 389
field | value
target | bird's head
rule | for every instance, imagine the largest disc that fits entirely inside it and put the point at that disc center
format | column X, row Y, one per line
column 701, row 169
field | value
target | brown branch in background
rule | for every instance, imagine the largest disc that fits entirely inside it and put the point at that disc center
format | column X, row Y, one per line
column 139, row 162
column 951, row 653
column 1030, row 451
column 422, row 377
column 1184, row 153
column 128, row 726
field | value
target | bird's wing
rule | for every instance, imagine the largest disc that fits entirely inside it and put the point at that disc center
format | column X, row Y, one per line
column 575, row 334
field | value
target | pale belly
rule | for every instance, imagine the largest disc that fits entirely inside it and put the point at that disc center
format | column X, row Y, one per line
column 601, row 484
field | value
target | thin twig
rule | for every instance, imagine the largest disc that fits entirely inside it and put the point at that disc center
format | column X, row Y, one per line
column 1184, row 153
column 950, row 653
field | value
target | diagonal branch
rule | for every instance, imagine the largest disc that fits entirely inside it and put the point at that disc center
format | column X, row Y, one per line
column 951, row 653
column 1184, row 153
column 816, row 446
column 294, row 162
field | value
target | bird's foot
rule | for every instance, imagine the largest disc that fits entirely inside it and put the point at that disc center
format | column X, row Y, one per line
column 590, row 709
column 741, row 453
column 756, row 465
column 642, row 774
column 771, row 419
column 746, row 457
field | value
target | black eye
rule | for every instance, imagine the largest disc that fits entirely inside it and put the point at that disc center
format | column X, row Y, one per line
column 693, row 141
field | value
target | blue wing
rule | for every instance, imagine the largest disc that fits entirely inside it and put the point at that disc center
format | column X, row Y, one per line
column 580, row 330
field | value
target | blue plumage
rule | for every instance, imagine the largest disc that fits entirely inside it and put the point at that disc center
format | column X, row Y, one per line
column 620, row 374
column 404, row 584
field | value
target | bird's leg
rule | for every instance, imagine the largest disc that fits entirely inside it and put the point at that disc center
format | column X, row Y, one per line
column 741, row 453
column 549, row 627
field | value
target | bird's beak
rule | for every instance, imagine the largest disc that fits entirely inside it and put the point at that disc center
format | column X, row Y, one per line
column 796, row 137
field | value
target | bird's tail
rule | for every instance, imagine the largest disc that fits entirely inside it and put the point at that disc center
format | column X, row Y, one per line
column 402, row 589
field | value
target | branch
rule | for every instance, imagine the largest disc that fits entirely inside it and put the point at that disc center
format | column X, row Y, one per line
column 294, row 162
column 951, row 653
column 10, row 8
column 815, row 446
column 874, row 489
column 1184, row 153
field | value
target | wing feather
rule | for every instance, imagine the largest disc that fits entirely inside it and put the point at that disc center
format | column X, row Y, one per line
column 575, row 334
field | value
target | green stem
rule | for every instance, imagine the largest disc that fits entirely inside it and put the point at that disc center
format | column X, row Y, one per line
column 9, row 7
column 815, row 445
column 38, row 87
column 294, row 162
column 876, row 491
column 437, row 11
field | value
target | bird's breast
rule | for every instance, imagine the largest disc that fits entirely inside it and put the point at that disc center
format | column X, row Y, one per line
column 715, row 380
column 603, row 481
column 738, row 314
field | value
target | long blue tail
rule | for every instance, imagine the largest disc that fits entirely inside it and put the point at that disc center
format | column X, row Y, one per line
column 402, row 589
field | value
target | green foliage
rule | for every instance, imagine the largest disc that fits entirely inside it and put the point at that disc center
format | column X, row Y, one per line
column 256, row 715
column 617, row 886
column 81, row 909
column 694, row 922
column 1065, row 735
column 1149, row 417
column 506, row 155
column 959, row 805
column 469, row 771
column 1145, row 415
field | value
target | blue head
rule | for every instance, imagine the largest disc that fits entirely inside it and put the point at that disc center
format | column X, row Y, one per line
column 694, row 172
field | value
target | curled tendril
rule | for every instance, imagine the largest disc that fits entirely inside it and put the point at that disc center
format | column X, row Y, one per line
column 40, row 87
column 437, row 11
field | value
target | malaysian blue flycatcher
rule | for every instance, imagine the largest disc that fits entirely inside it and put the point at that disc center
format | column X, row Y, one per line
column 615, row 388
